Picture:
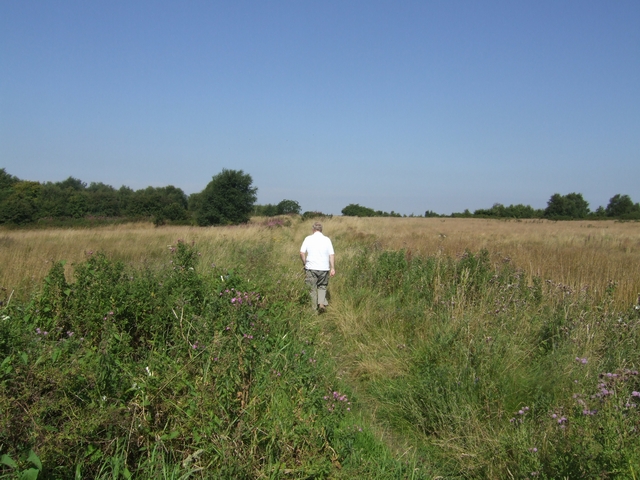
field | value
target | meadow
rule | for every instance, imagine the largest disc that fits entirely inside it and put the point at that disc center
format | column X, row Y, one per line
column 453, row 348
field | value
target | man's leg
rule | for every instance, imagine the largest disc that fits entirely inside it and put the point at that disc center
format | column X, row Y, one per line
column 323, row 282
column 312, row 281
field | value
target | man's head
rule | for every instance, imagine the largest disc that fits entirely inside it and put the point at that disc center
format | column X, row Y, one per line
column 317, row 227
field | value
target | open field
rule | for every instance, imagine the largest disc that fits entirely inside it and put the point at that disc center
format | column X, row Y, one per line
column 459, row 348
column 577, row 254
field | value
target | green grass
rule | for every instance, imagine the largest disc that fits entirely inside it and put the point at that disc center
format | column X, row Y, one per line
column 425, row 366
column 173, row 372
column 491, row 363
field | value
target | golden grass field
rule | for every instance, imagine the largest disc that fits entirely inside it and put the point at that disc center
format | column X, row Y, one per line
column 575, row 253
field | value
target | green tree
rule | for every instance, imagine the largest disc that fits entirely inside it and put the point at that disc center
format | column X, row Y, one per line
column 465, row 214
column 77, row 204
column 6, row 182
column 173, row 203
column 355, row 210
column 161, row 202
column 51, row 201
column 103, row 200
column 72, row 183
column 20, row 205
column 512, row 211
column 68, row 198
column 228, row 199
column 600, row 212
column 286, row 207
column 268, row 210
column 620, row 205
column 567, row 206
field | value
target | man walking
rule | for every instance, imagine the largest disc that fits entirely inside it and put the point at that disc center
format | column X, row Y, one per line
column 318, row 259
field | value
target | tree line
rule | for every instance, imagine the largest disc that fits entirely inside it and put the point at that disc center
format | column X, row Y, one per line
column 559, row 207
column 228, row 199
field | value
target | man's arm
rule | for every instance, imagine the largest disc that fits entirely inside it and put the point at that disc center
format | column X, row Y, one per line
column 332, row 262
column 303, row 256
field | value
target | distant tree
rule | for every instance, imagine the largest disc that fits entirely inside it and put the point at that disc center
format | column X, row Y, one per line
column 268, row 210
column 524, row 211
column 72, row 183
column 556, row 206
column 77, row 205
column 315, row 214
column 103, row 200
column 228, row 199
column 195, row 202
column 355, row 210
column 620, row 205
column 430, row 213
column 174, row 211
column 168, row 203
column 286, row 207
column 465, row 214
column 512, row 211
column 173, row 203
column 6, row 182
column 20, row 206
column 567, row 206
column 51, row 201
column 68, row 198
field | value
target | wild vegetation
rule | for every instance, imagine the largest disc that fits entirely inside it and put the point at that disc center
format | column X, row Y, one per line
column 461, row 348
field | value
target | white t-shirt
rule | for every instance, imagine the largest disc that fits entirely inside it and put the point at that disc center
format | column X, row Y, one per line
column 318, row 248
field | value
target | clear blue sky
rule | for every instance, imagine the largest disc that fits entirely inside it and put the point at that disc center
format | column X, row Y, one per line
column 396, row 105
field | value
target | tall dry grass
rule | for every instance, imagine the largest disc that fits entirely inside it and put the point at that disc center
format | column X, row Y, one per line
column 386, row 344
column 577, row 254
column 26, row 256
